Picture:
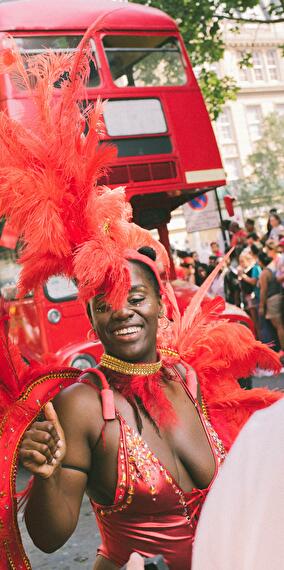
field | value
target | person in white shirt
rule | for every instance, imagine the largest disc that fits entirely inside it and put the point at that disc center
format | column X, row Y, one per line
column 242, row 522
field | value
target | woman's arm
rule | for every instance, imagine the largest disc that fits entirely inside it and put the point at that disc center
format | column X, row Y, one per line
column 263, row 284
column 250, row 280
column 54, row 503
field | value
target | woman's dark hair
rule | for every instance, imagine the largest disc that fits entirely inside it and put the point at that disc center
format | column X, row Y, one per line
column 276, row 217
column 253, row 235
column 148, row 252
column 263, row 257
column 254, row 249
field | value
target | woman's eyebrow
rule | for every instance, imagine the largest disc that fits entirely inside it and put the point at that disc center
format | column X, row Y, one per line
column 99, row 297
column 137, row 288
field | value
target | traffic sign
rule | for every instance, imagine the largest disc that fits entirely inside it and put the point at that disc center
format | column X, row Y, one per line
column 201, row 213
column 199, row 203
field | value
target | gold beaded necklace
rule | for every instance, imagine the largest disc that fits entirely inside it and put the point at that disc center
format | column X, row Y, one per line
column 134, row 369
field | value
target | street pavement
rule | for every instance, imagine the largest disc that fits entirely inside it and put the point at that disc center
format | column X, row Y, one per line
column 80, row 551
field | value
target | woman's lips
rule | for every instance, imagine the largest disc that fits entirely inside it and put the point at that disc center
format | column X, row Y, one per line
column 127, row 332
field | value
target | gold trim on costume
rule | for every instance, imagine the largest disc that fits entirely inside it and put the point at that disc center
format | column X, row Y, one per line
column 129, row 368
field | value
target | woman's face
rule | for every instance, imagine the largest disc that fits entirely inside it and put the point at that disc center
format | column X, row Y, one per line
column 273, row 221
column 245, row 261
column 130, row 332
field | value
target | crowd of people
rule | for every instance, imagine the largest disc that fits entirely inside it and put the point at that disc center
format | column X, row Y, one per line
column 252, row 279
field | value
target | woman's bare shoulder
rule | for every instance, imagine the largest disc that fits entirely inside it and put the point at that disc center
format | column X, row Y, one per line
column 81, row 400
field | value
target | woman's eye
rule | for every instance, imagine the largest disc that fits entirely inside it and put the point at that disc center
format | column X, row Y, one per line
column 102, row 308
column 136, row 300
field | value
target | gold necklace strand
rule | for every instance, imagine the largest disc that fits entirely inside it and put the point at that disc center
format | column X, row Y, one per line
column 130, row 368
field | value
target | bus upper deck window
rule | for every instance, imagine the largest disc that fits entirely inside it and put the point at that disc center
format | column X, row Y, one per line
column 32, row 45
column 144, row 61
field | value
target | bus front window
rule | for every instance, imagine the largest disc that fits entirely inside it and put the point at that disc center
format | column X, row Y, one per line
column 32, row 45
column 144, row 61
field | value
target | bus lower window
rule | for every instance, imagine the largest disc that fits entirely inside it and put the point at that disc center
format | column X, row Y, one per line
column 59, row 288
column 143, row 146
column 144, row 61
column 32, row 45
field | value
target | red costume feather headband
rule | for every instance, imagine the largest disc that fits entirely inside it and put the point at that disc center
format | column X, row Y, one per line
column 49, row 180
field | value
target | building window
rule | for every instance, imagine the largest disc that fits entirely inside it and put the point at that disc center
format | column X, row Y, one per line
column 233, row 168
column 258, row 66
column 225, row 126
column 271, row 62
column 229, row 150
column 265, row 66
column 254, row 121
column 279, row 108
column 244, row 72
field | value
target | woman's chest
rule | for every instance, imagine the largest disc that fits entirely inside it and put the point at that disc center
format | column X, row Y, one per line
column 184, row 453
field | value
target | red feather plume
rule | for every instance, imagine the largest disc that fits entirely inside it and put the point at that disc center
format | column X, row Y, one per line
column 49, row 171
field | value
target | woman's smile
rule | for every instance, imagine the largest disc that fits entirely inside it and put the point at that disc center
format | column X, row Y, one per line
column 129, row 333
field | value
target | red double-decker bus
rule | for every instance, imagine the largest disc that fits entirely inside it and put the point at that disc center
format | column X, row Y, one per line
column 155, row 114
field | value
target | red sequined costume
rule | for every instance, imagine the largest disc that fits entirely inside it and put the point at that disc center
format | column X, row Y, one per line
column 151, row 514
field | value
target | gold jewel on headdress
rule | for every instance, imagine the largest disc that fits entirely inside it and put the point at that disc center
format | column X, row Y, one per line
column 130, row 368
column 168, row 352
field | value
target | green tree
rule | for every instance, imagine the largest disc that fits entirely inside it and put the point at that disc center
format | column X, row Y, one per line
column 200, row 23
column 266, row 181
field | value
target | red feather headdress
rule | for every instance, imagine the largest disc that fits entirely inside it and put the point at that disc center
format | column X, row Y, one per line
column 49, row 179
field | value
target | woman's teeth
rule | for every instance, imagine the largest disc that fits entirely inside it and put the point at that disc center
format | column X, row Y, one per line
column 128, row 330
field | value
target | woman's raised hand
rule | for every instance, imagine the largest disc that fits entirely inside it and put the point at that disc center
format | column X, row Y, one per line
column 43, row 446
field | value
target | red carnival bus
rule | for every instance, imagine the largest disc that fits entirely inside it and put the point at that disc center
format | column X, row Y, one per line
column 167, row 152
column 155, row 114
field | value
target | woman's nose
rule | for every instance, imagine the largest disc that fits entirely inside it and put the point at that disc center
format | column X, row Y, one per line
column 123, row 313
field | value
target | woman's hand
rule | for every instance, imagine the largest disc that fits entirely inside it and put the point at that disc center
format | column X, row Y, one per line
column 261, row 311
column 43, row 446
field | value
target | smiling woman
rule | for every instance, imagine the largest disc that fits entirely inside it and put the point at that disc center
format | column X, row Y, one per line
column 144, row 433
column 148, row 468
column 130, row 332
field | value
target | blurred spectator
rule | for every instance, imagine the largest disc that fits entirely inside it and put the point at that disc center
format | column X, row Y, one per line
column 218, row 287
column 189, row 272
column 212, row 262
column 201, row 273
column 281, row 246
column 253, row 239
column 276, row 227
column 231, row 282
column 280, row 273
column 215, row 249
column 184, row 258
column 280, row 266
column 270, row 304
column 268, row 333
column 201, row 269
column 238, row 235
column 250, row 225
column 248, row 274
column 272, row 250
column 195, row 256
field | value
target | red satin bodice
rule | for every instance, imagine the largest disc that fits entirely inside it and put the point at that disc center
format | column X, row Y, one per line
column 151, row 514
